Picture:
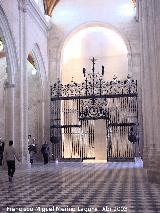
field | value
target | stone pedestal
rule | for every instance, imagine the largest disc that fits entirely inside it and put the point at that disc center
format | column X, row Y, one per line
column 100, row 141
column 145, row 157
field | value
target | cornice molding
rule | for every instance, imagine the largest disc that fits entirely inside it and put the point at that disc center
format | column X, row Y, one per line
column 37, row 14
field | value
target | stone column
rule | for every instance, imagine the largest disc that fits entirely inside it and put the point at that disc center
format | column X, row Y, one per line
column 149, row 18
column 21, row 91
column 46, row 111
column 100, row 144
column 9, row 111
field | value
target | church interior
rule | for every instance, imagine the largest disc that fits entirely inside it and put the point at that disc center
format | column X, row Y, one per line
column 81, row 78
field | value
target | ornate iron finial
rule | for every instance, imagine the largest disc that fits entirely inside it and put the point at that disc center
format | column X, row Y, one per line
column 114, row 77
column 93, row 60
column 129, row 76
column 102, row 70
column 84, row 71
column 95, row 86
column 93, row 68
column 72, row 79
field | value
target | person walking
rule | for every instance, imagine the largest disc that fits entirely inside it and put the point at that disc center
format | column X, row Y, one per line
column 1, row 151
column 45, row 152
column 10, row 155
column 32, row 148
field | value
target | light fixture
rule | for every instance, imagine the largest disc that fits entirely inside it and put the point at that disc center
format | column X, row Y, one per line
column 34, row 71
column 48, row 18
column 128, row 10
column 134, row 3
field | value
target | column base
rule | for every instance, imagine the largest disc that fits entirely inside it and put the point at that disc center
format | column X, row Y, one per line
column 94, row 161
column 153, row 176
column 152, row 166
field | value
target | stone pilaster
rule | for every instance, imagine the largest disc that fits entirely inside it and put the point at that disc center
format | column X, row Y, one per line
column 149, row 18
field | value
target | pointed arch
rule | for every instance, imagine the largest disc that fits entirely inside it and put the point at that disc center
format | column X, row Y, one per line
column 12, row 68
column 44, row 105
column 39, row 63
column 9, row 46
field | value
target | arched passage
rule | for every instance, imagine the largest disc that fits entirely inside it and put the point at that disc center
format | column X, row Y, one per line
column 79, row 134
column 37, row 98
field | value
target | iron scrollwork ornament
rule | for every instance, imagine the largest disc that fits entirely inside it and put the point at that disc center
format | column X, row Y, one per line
column 94, row 92
column 94, row 86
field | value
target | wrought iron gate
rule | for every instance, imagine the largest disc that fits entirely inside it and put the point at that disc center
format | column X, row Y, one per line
column 76, row 106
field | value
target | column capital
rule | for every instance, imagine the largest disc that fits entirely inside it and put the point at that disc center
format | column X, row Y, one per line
column 8, row 85
column 22, row 5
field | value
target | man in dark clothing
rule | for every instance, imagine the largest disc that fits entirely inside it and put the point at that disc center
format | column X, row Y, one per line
column 132, row 135
column 10, row 155
column 45, row 152
column 1, row 152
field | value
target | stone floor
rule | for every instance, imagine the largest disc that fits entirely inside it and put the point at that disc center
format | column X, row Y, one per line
column 79, row 187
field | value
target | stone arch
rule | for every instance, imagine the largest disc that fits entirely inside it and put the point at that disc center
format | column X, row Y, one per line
column 9, row 46
column 81, row 27
column 39, row 64
column 94, row 24
column 12, row 67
